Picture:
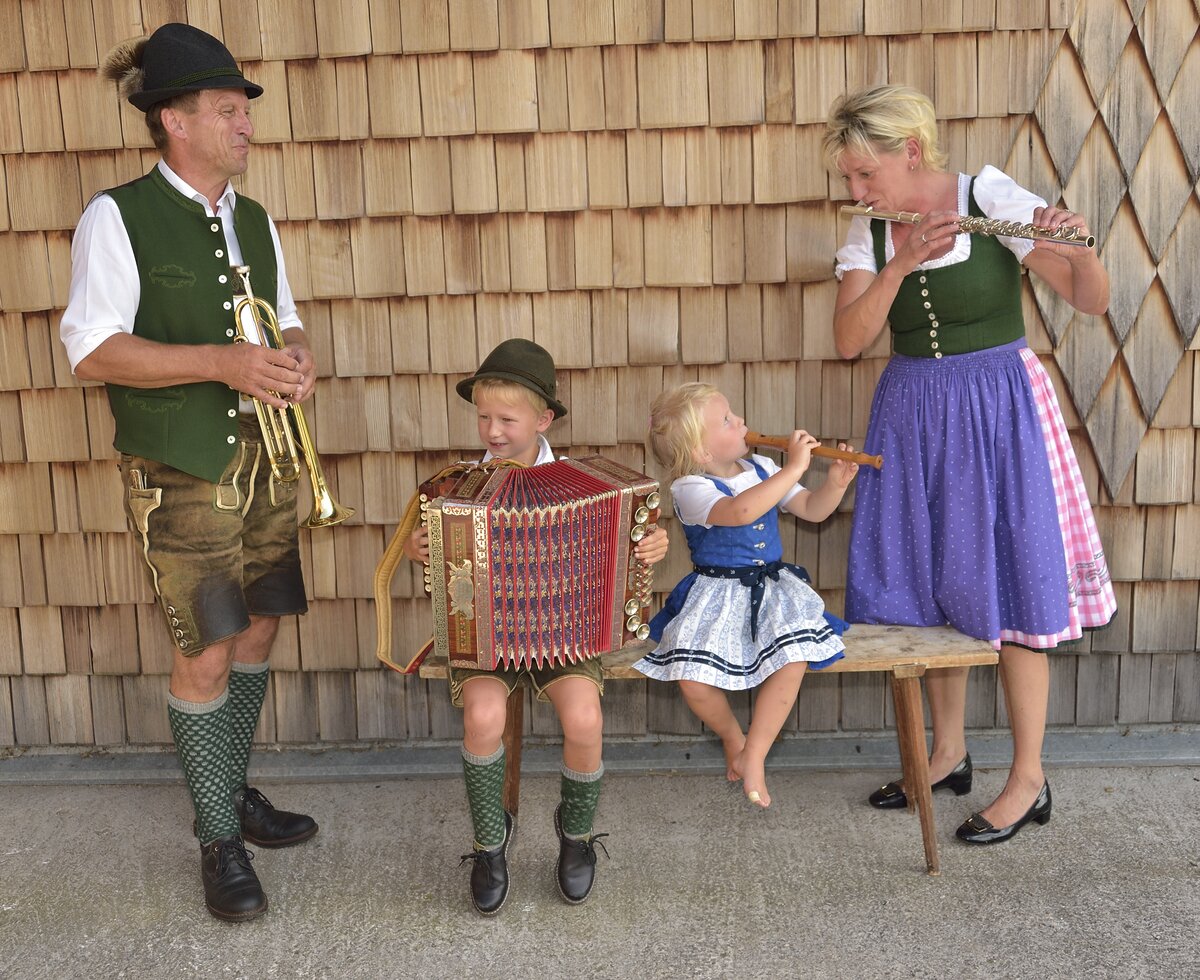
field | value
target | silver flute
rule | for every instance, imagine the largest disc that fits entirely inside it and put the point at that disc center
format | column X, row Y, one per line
column 982, row 226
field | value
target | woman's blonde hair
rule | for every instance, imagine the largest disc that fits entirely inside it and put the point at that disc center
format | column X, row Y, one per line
column 882, row 120
column 677, row 427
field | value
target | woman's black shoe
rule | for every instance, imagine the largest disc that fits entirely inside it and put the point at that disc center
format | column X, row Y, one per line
column 576, row 870
column 489, row 875
column 976, row 830
column 891, row 796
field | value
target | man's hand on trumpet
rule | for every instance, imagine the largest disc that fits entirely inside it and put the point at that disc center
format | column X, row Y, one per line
column 260, row 372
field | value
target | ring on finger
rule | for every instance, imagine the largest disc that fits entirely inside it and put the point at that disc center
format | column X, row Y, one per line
column 924, row 239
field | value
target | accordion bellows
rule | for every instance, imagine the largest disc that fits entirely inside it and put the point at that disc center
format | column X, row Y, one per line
column 534, row 566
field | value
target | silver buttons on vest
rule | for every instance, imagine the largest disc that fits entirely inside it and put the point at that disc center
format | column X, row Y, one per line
column 215, row 226
column 228, row 305
column 933, row 319
column 232, row 413
column 229, row 332
column 760, row 544
column 231, row 439
column 219, row 253
column 222, row 279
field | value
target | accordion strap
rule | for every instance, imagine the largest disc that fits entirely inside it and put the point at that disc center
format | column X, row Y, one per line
column 386, row 569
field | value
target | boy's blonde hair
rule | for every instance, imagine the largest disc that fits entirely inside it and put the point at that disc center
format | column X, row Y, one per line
column 509, row 392
column 882, row 120
column 677, row 427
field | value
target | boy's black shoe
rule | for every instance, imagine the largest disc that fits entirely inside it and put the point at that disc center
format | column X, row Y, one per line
column 576, row 862
column 489, row 875
column 231, row 888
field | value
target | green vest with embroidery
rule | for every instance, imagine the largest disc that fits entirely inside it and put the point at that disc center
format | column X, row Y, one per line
column 959, row 308
column 186, row 298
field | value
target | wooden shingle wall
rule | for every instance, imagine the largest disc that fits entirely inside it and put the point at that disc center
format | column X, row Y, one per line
column 637, row 185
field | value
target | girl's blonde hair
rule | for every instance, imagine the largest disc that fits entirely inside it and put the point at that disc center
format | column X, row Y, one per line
column 508, row 392
column 677, row 427
column 882, row 120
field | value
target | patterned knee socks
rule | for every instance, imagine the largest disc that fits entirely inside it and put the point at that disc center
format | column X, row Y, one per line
column 247, row 688
column 580, row 795
column 202, row 741
column 485, row 787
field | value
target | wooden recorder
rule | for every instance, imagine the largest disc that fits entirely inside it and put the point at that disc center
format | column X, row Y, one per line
column 781, row 443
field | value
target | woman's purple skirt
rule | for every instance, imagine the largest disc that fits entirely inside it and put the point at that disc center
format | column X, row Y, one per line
column 965, row 524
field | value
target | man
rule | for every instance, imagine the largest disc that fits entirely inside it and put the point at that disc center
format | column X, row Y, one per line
column 151, row 314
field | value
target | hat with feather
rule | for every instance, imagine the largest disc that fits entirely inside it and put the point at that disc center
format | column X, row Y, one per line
column 174, row 60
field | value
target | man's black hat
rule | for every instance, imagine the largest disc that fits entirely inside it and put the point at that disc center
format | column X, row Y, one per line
column 522, row 362
column 179, row 58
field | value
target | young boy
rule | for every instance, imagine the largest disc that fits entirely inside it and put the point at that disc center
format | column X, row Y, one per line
column 514, row 396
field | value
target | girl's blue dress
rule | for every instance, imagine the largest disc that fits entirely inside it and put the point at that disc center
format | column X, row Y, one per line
column 742, row 613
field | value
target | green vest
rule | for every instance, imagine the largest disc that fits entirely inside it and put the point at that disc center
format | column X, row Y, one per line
column 968, row 306
column 186, row 298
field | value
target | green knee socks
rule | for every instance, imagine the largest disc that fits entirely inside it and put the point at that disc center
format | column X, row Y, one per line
column 580, row 796
column 485, row 788
column 247, row 688
column 201, row 734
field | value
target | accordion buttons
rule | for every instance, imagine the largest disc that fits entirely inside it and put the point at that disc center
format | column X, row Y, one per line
column 643, row 631
column 653, row 500
column 637, row 532
column 641, row 515
column 632, row 607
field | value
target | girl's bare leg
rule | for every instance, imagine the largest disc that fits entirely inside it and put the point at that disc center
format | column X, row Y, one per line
column 774, row 703
column 711, row 705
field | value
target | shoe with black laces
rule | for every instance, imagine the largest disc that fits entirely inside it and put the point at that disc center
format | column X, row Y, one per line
column 576, row 862
column 264, row 826
column 489, row 874
column 231, row 888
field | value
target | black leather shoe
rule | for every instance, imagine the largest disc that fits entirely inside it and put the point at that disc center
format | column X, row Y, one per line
column 489, row 875
column 264, row 826
column 576, row 862
column 231, row 888
column 976, row 830
column 891, row 796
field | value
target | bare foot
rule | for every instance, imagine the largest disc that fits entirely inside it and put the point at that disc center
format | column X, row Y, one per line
column 754, row 779
column 733, row 748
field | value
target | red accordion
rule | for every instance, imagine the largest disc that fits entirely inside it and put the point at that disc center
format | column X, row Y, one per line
column 534, row 566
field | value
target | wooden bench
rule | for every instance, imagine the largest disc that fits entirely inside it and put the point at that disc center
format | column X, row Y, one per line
column 904, row 652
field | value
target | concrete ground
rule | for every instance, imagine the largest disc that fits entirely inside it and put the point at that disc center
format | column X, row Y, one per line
column 103, row 881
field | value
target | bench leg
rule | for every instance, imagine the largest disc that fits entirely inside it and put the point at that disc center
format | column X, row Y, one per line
column 514, row 728
column 910, row 731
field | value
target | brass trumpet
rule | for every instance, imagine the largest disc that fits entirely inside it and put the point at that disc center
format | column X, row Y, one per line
column 282, row 427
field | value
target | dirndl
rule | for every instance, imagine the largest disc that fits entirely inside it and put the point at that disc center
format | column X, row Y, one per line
column 709, row 639
column 979, row 517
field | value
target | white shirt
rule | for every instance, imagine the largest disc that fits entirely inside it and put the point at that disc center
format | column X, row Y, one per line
column 545, row 453
column 996, row 193
column 105, row 288
column 695, row 496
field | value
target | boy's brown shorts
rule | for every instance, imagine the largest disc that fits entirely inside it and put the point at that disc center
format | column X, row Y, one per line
column 217, row 552
column 539, row 677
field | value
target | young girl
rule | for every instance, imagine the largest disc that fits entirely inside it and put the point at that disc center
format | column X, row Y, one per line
column 744, row 617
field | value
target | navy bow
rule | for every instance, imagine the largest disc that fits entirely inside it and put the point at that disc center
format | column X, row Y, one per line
column 754, row 578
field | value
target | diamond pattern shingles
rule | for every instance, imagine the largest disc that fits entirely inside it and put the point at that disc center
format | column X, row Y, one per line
column 1152, row 350
column 1160, row 185
column 1167, row 28
column 1181, row 107
column 1130, row 104
column 1177, row 271
column 1096, row 188
column 1130, row 269
column 1065, row 111
column 1085, row 357
column 1099, row 33
column 1116, row 426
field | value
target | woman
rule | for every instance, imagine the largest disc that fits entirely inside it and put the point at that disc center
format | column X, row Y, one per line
column 979, row 519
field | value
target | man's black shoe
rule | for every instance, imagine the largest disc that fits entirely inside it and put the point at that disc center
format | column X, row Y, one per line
column 264, row 826
column 231, row 888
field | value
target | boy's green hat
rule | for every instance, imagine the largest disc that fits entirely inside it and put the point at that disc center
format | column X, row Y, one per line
column 522, row 362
